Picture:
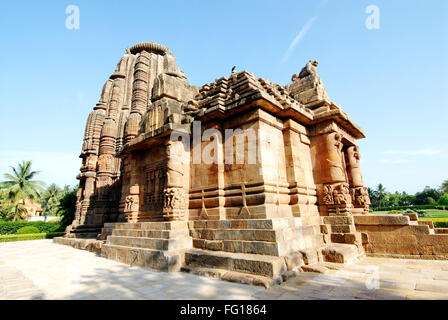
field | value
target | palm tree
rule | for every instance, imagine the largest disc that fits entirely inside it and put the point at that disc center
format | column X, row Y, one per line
column 20, row 186
column 380, row 193
column 50, row 199
column 372, row 196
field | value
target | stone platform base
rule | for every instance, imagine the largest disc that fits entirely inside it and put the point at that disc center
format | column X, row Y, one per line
column 143, row 257
column 155, row 245
column 91, row 245
column 408, row 256
column 255, row 251
column 402, row 236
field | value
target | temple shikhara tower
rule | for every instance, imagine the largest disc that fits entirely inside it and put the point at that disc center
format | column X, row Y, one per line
column 164, row 185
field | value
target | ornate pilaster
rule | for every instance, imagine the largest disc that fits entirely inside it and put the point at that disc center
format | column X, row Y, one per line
column 132, row 203
column 333, row 189
column 175, row 206
column 358, row 192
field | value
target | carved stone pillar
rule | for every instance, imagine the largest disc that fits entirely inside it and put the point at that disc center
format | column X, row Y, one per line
column 132, row 205
column 334, row 192
column 175, row 206
column 88, row 195
column 359, row 194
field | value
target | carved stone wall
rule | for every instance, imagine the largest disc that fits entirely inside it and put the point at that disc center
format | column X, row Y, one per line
column 306, row 163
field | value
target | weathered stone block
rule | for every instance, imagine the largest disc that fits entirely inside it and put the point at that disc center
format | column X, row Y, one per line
column 381, row 220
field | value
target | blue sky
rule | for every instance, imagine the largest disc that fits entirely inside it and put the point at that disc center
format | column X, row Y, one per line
column 392, row 81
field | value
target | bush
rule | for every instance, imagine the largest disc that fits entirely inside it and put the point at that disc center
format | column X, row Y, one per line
column 443, row 201
column 440, row 224
column 422, row 213
column 43, row 227
column 395, row 211
column 421, row 207
column 27, row 230
column 35, row 236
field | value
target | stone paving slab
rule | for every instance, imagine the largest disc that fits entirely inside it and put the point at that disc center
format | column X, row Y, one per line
column 41, row 269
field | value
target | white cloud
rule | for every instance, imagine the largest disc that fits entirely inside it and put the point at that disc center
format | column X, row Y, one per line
column 394, row 161
column 298, row 38
column 415, row 152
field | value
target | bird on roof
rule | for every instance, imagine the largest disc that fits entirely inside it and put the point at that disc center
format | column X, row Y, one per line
column 233, row 69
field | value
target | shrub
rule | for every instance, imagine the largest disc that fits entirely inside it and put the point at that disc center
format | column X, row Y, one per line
column 27, row 230
column 422, row 213
column 427, row 206
column 395, row 211
column 443, row 201
column 440, row 224
column 43, row 227
column 23, row 237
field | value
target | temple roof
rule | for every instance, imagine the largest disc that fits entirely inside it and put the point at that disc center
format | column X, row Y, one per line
column 226, row 94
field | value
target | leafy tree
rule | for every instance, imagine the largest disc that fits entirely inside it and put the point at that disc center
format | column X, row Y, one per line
column 20, row 187
column 5, row 206
column 443, row 200
column 428, row 192
column 381, row 194
column 408, row 199
column 372, row 196
column 444, row 187
column 67, row 207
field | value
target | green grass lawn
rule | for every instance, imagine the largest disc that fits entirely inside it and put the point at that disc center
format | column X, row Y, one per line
column 434, row 214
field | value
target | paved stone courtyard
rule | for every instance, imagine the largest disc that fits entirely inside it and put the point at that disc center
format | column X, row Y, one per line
column 40, row 269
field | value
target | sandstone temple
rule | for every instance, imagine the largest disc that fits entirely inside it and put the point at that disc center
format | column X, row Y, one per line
column 165, row 186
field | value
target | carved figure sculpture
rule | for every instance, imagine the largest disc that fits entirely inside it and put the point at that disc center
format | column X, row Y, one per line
column 334, row 157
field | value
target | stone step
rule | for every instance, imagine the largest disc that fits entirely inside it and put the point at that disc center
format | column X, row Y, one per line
column 267, row 266
column 274, row 223
column 428, row 223
column 340, row 253
column 85, row 230
column 159, row 234
column 237, row 234
column 315, row 268
column 343, row 228
column 84, row 235
column 267, row 235
column 106, row 231
column 166, row 225
column 231, row 276
column 279, row 248
column 92, row 245
column 88, row 226
column 151, row 243
column 239, row 246
column 349, row 238
column 338, row 220
column 143, row 257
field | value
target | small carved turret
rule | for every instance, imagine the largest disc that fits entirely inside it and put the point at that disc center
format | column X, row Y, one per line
column 307, row 87
column 132, row 126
